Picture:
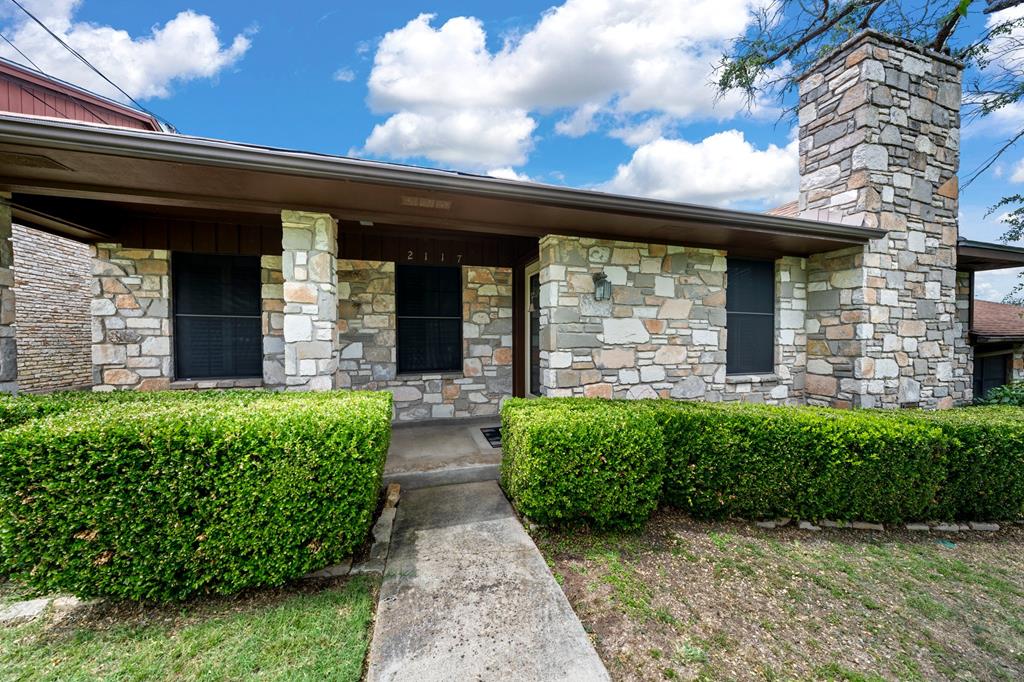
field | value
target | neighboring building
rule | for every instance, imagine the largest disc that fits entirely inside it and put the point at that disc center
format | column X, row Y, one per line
column 53, row 274
column 52, row 280
column 223, row 264
column 998, row 334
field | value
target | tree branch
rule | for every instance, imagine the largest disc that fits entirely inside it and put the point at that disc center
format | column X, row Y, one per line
column 866, row 21
column 950, row 22
column 826, row 26
column 1000, row 5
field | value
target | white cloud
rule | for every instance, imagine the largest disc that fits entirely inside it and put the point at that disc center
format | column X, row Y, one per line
column 508, row 173
column 643, row 131
column 580, row 122
column 721, row 169
column 1016, row 173
column 595, row 58
column 1004, row 53
column 472, row 137
column 182, row 49
column 344, row 75
column 993, row 285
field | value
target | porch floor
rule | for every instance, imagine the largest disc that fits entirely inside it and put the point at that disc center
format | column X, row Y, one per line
column 441, row 452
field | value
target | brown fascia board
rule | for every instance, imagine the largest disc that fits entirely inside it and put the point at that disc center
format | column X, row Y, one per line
column 108, row 141
column 977, row 256
column 995, row 338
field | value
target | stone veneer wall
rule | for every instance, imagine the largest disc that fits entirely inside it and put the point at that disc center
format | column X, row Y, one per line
column 879, row 147
column 51, row 281
column 272, row 306
column 131, row 320
column 663, row 333
column 308, row 264
column 1018, row 364
column 368, row 360
column 8, row 343
column 963, row 361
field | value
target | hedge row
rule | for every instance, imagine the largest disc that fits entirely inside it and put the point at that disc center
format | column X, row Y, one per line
column 172, row 495
column 755, row 461
column 582, row 460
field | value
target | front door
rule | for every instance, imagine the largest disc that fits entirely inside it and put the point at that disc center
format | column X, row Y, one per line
column 532, row 349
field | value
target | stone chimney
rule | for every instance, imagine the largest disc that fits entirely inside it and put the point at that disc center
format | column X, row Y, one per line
column 879, row 147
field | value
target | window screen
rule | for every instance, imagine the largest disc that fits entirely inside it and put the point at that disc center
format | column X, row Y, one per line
column 428, row 303
column 750, row 316
column 217, row 327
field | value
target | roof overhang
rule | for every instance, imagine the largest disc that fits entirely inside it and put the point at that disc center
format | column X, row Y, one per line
column 41, row 158
column 994, row 339
column 973, row 256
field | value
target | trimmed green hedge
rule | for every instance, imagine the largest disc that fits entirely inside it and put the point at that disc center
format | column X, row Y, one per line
column 20, row 409
column 581, row 459
column 176, row 494
column 984, row 463
column 755, row 461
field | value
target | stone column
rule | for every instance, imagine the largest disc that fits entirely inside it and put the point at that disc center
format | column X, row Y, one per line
column 309, row 267
column 879, row 147
column 272, row 313
column 131, row 318
column 8, row 345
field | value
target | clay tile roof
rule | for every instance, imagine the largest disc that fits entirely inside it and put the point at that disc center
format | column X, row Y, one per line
column 998, row 319
column 790, row 210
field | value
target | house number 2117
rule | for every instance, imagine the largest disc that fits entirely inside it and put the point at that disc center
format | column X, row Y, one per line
column 411, row 255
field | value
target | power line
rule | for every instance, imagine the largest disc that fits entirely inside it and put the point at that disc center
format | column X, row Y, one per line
column 87, row 63
column 23, row 55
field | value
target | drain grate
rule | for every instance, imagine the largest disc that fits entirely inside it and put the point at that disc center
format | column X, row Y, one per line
column 493, row 435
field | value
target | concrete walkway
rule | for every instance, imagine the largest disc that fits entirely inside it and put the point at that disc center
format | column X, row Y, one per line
column 441, row 452
column 467, row 596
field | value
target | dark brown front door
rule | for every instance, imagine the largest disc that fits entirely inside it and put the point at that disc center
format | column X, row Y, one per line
column 533, row 334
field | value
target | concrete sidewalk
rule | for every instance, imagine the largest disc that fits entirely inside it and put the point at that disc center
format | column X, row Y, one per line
column 467, row 596
column 441, row 452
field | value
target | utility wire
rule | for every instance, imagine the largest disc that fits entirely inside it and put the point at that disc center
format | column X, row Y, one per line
column 23, row 55
column 88, row 63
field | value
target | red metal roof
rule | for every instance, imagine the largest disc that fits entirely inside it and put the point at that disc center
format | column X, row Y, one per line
column 998, row 320
column 24, row 91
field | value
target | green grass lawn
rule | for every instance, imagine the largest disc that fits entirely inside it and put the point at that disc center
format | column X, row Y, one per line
column 725, row 600
column 309, row 632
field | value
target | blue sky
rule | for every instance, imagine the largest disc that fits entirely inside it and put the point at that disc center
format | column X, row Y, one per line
column 574, row 97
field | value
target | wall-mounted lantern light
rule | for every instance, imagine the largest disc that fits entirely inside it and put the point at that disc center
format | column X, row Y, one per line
column 602, row 287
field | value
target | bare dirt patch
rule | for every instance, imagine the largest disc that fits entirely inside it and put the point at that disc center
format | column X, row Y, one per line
column 725, row 600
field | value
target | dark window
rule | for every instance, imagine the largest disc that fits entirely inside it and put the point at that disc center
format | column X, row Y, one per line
column 990, row 371
column 217, row 327
column 428, row 302
column 750, row 316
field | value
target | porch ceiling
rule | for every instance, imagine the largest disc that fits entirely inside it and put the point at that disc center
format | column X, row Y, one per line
column 161, row 173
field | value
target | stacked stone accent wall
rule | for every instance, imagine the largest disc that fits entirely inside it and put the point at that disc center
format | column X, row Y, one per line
column 308, row 265
column 52, row 284
column 272, row 306
column 1018, row 364
column 8, row 344
column 368, row 355
column 879, row 147
column 131, row 318
column 963, row 362
column 663, row 332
